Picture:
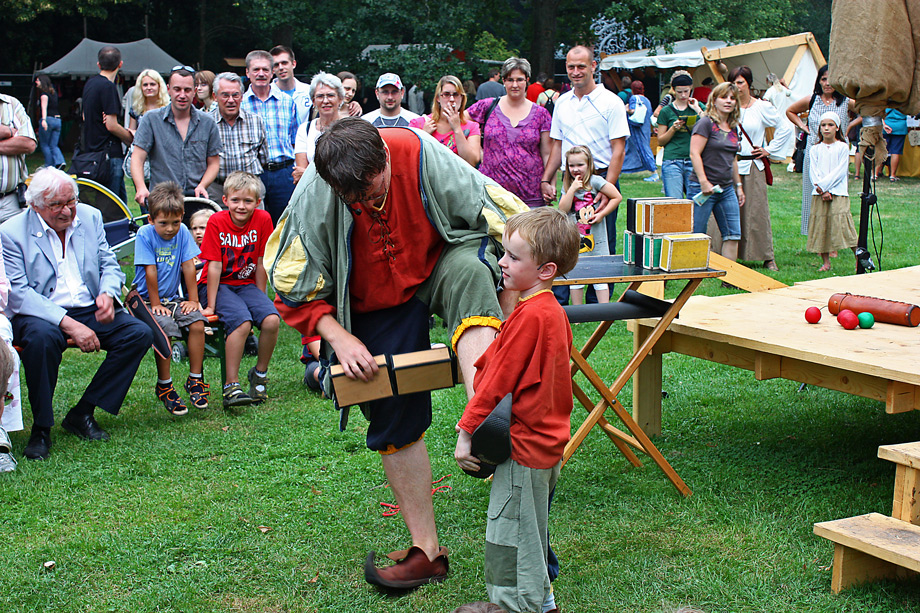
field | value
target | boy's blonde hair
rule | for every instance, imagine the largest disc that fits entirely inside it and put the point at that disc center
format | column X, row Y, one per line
column 240, row 181
column 166, row 199
column 551, row 235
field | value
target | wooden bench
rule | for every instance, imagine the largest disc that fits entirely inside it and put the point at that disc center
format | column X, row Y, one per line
column 872, row 546
column 876, row 546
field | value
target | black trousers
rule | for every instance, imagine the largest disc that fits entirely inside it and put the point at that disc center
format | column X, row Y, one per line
column 125, row 341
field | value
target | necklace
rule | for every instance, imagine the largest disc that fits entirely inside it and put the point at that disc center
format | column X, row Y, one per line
column 395, row 120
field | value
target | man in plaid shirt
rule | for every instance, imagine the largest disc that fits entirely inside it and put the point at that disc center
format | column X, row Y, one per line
column 279, row 115
column 241, row 132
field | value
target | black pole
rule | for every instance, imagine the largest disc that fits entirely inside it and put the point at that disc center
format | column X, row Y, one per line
column 867, row 201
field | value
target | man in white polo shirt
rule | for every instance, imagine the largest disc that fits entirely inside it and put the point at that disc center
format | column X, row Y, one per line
column 592, row 116
column 391, row 114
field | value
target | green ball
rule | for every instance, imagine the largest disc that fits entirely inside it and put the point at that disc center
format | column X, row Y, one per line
column 866, row 320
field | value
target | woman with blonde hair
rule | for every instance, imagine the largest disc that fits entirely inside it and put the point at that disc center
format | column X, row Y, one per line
column 149, row 95
column 715, row 184
column 450, row 123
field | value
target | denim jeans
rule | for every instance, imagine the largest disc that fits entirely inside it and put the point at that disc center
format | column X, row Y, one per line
column 279, row 185
column 48, row 140
column 117, row 178
column 675, row 177
column 723, row 206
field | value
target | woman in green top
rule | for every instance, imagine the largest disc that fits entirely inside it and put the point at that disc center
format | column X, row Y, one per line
column 675, row 122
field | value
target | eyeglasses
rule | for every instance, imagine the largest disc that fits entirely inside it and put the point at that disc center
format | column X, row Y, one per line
column 57, row 207
column 230, row 95
column 181, row 67
column 325, row 96
column 451, row 94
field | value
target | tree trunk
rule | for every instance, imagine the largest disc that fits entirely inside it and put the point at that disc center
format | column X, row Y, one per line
column 543, row 43
column 202, row 32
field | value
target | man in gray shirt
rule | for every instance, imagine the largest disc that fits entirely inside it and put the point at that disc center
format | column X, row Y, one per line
column 491, row 88
column 182, row 143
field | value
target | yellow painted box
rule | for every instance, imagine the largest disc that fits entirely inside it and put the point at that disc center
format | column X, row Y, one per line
column 681, row 252
column 665, row 217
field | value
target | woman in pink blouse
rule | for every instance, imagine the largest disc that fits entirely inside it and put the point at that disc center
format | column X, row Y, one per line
column 449, row 121
column 516, row 141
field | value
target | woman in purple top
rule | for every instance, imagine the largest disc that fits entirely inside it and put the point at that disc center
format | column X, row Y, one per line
column 515, row 135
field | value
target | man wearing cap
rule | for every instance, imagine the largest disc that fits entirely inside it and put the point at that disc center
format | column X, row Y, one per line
column 391, row 114
column 279, row 115
column 181, row 142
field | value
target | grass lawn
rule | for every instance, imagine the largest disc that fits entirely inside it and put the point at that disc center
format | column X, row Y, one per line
column 272, row 509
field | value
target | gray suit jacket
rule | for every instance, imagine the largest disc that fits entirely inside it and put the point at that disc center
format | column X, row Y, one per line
column 32, row 268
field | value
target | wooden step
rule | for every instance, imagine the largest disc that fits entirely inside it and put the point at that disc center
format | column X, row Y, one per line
column 906, row 454
column 871, row 546
column 741, row 276
column 906, row 501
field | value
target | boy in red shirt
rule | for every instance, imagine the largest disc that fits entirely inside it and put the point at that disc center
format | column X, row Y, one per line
column 530, row 360
column 235, row 283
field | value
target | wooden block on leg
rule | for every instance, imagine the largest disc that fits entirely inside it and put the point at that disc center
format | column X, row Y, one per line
column 767, row 366
column 901, row 397
column 647, row 387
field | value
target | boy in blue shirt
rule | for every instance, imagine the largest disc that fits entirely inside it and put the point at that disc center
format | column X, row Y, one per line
column 164, row 253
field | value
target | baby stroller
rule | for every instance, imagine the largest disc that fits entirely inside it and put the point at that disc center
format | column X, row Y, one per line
column 120, row 227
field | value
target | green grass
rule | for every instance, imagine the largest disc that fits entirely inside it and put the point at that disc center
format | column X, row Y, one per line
column 166, row 516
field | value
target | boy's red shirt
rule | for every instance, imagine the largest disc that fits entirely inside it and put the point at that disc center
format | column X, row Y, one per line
column 238, row 249
column 529, row 359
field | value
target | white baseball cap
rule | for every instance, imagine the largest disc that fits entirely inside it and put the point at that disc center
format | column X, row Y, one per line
column 389, row 78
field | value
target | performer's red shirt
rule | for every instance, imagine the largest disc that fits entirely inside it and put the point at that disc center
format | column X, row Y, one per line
column 393, row 250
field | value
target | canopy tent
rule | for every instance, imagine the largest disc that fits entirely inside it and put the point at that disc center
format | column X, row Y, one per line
column 683, row 54
column 795, row 58
column 80, row 62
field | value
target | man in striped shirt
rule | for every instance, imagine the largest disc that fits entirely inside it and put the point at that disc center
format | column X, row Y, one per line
column 241, row 132
column 279, row 115
column 17, row 139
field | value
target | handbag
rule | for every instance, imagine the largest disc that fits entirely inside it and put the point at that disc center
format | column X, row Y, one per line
column 92, row 165
column 798, row 156
column 767, row 171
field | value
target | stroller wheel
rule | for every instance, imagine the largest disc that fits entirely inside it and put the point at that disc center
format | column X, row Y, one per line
column 252, row 345
column 178, row 352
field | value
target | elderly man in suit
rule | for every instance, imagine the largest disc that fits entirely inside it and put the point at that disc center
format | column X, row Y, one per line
column 64, row 283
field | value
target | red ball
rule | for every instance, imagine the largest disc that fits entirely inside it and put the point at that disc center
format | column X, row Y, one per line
column 812, row 315
column 848, row 319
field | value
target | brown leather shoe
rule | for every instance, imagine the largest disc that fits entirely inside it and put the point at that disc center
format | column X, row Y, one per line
column 412, row 571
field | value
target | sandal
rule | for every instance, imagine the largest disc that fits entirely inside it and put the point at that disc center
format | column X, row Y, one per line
column 172, row 402
column 234, row 396
column 893, row 179
column 197, row 392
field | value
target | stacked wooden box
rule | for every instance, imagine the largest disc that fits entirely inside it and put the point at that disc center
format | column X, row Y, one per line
column 659, row 234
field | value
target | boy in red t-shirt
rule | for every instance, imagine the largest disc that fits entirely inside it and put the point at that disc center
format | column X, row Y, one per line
column 530, row 360
column 235, row 283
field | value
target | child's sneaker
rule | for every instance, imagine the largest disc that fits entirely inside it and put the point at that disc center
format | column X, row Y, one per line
column 197, row 392
column 167, row 393
column 234, row 396
column 257, row 383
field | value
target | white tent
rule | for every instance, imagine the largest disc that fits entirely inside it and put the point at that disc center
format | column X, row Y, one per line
column 683, row 54
column 795, row 58
column 80, row 62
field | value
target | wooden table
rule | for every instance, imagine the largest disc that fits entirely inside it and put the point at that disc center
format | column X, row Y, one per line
column 766, row 332
column 611, row 269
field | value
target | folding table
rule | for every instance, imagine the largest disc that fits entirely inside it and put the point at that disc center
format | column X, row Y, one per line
column 612, row 269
